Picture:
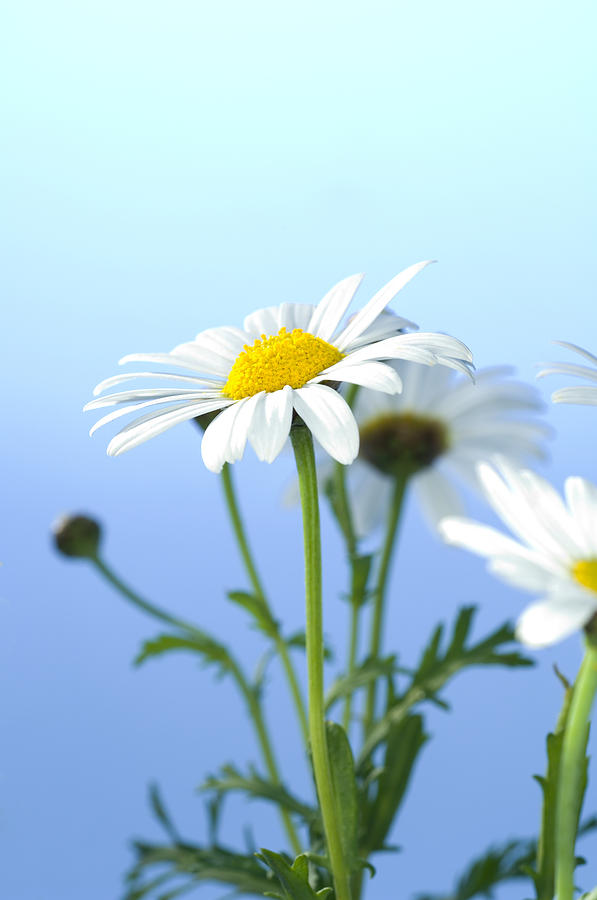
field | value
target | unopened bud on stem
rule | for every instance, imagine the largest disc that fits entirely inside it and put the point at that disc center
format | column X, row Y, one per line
column 77, row 536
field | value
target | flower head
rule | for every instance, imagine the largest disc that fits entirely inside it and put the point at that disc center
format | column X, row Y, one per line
column 585, row 394
column 286, row 360
column 554, row 554
column 439, row 428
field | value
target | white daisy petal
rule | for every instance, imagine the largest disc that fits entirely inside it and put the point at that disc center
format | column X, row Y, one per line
column 159, row 395
column 329, row 311
column 270, row 425
column 387, row 324
column 590, row 356
column 373, row 375
column 160, row 359
column 199, row 402
column 437, row 496
column 586, row 396
column 480, row 539
column 169, row 376
column 554, row 619
column 569, row 369
column 225, row 438
column 138, row 432
column 370, row 497
column 378, row 302
column 581, row 497
column 330, row 419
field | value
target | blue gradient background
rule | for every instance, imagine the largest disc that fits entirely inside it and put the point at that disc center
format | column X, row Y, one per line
column 168, row 167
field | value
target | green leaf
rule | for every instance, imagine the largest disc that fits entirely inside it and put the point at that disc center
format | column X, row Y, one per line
column 211, row 651
column 592, row 895
column 437, row 666
column 361, row 568
column 363, row 675
column 495, row 866
column 194, row 865
column 161, row 814
column 293, row 878
column 402, row 749
column 258, row 609
column 260, row 788
column 345, row 789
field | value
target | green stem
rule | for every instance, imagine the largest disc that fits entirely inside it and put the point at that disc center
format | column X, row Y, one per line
column 245, row 550
column 381, row 587
column 344, row 515
column 572, row 773
column 249, row 695
column 302, row 443
column 136, row 600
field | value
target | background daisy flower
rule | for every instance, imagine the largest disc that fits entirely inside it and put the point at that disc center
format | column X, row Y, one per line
column 283, row 361
column 555, row 553
column 437, row 431
column 585, row 394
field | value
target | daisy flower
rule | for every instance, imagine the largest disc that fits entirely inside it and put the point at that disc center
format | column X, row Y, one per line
column 286, row 360
column 554, row 554
column 586, row 394
column 437, row 430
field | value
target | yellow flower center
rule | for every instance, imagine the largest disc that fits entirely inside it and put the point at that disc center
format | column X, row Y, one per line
column 585, row 572
column 287, row 358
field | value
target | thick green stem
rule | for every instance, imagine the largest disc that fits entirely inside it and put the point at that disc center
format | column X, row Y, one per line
column 381, row 586
column 247, row 556
column 248, row 694
column 572, row 767
column 302, row 443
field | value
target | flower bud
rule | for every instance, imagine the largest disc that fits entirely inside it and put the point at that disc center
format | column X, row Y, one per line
column 77, row 536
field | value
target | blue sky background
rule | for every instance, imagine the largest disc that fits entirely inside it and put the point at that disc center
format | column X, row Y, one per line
column 168, row 167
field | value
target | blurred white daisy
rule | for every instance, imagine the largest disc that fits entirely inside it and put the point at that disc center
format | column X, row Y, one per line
column 555, row 554
column 585, row 394
column 436, row 431
column 281, row 362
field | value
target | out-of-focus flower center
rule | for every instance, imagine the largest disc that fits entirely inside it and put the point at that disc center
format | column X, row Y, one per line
column 585, row 572
column 402, row 442
column 287, row 358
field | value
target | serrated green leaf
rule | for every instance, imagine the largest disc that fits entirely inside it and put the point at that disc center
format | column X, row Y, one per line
column 211, row 651
column 437, row 667
column 345, row 789
column 197, row 865
column 294, row 885
column 402, row 749
column 258, row 609
column 362, row 676
column 257, row 787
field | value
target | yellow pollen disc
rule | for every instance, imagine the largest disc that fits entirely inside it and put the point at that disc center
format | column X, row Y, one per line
column 287, row 358
column 585, row 572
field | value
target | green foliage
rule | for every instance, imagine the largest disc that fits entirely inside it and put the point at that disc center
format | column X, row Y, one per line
column 187, row 865
column 497, row 865
column 543, row 873
column 592, row 895
column 294, row 879
column 360, row 677
column 257, row 787
column 361, row 568
column 258, row 609
column 391, row 780
column 345, row 790
column 210, row 650
column 439, row 665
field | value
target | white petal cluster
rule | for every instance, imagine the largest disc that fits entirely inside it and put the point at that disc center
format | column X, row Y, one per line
column 583, row 394
column 492, row 415
column 550, row 538
column 368, row 339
